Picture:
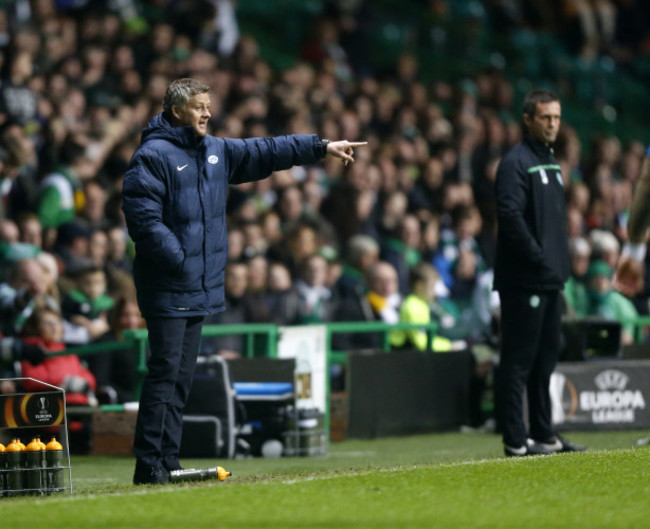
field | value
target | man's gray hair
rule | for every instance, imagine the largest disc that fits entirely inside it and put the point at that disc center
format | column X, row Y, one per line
column 603, row 242
column 180, row 91
column 579, row 246
column 358, row 246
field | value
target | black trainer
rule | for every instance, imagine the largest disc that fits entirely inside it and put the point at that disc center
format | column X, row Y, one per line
column 531, row 448
column 149, row 475
column 559, row 444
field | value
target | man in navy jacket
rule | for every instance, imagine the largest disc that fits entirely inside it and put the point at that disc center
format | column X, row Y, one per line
column 532, row 265
column 174, row 194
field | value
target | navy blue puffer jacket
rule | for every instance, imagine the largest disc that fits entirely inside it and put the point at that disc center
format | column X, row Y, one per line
column 174, row 195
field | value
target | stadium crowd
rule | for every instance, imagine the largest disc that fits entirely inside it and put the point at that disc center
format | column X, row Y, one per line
column 410, row 224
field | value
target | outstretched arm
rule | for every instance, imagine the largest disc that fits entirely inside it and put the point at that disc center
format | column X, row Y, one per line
column 628, row 278
column 256, row 158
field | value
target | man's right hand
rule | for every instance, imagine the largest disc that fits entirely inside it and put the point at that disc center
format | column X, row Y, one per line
column 344, row 149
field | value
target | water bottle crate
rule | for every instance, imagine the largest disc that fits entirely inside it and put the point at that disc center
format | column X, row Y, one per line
column 36, row 468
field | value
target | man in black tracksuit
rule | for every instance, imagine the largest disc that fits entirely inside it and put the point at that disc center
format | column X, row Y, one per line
column 532, row 265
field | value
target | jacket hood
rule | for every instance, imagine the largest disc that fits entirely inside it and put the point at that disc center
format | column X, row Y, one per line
column 159, row 128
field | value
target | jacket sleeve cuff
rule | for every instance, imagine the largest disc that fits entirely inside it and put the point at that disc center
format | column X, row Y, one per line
column 321, row 147
column 634, row 250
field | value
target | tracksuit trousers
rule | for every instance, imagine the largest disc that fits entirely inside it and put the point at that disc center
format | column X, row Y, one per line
column 174, row 345
column 530, row 348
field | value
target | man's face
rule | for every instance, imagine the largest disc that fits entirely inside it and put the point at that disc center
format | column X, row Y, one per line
column 196, row 113
column 32, row 232
column 384, row 281
column 545, row 124
column 316, row 271
column 236, row 280
column 32, row 278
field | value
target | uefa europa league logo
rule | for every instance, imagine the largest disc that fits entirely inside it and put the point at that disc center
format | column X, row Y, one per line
column 43, row 403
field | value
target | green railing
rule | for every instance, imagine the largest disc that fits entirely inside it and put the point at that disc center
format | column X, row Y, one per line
column 137, row 341
column 250, row 330
column 338, row 357
column 639, row 323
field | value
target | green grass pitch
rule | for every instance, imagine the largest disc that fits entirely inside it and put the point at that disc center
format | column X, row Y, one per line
column 443, row 480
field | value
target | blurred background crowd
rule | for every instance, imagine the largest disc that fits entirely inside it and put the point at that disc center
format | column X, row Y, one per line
column 434, row 87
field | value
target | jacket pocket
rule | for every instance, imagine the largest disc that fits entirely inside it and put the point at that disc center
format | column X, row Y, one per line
column 181, row 266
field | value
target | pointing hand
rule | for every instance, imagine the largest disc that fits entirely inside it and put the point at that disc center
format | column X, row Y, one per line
column 344, row 149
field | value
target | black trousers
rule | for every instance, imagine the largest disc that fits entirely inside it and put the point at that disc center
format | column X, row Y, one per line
column 530, row 348
column 174, row 344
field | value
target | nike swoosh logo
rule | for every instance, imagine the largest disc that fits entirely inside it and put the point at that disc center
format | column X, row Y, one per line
column 180, row 168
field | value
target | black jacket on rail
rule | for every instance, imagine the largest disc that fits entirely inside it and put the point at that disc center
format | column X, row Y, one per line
column 532, row 243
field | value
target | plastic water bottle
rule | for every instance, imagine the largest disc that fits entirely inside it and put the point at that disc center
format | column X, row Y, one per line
column 54, row 461
column 198, row 474
column 34, row 464
column 14, row 460
column 3, row 472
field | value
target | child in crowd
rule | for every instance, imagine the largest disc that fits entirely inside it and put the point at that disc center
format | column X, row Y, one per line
column 89, row 304
column 417, row 308
column 44, row 329
column 606, row 302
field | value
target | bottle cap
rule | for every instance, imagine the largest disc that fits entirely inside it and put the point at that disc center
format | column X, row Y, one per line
column 222, row 473
column 53, row 445
column 34, row 446
column 15, row 446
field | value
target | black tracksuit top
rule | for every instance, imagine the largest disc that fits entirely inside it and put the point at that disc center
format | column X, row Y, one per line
column 532, row 244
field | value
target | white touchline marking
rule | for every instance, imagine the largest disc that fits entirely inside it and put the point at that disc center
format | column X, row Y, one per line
column 353, row 453
column 322, row 477
column 93, row 479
